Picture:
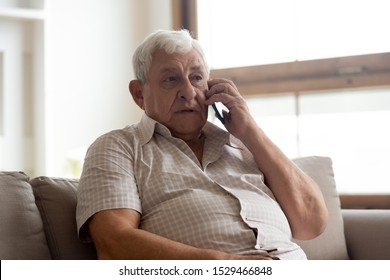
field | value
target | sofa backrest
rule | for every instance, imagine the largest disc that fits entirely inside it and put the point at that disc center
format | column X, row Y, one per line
column 21, row 227
column 37, row 219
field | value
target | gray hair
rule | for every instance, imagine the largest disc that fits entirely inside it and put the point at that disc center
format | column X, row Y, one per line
column 170, row 41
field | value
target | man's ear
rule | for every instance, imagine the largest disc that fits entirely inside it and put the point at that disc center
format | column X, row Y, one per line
column 136, row 90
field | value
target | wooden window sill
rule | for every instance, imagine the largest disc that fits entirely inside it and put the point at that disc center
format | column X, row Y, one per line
column 364, row 201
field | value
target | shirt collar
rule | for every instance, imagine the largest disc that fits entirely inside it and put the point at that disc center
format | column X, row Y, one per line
column 218, row 135
column 148, row 126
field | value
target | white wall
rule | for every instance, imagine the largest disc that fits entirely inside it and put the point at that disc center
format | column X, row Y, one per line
column 12, row 130
column 88, row 48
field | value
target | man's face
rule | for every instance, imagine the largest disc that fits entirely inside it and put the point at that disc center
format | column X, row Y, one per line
column 175, row 92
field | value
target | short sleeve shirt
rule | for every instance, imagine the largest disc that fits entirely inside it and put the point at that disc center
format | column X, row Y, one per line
column 220, row 203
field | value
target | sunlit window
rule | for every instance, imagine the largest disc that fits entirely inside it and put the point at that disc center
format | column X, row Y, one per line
column 350, row 127
column 252, row 32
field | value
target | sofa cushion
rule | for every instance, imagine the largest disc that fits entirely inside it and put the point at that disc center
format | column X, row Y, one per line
column 56, row 199
column 367, row 233
column 21, row 229
column 331, row 243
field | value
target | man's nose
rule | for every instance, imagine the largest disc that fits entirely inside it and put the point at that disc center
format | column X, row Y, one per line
column 187, row 91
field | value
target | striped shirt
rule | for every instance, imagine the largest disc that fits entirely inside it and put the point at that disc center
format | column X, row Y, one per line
column 221, row 203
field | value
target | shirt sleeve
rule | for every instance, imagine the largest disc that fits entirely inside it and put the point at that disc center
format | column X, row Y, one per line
column 107, row 180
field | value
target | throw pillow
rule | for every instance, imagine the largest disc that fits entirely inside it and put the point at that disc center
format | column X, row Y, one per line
column 56, row 199
column 331, row 243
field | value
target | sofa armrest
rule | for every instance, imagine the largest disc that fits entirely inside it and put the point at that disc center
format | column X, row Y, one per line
column 367, row 233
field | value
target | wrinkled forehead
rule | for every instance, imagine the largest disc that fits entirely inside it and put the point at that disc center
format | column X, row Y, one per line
column 190, row 60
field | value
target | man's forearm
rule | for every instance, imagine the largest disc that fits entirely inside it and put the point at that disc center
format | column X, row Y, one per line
column 116, row 237
column 142, row 245
column 298, row 195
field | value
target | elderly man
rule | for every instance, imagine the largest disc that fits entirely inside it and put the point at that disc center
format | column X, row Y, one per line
column 175, row 186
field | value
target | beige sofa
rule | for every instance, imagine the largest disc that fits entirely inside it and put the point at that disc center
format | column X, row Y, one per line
column 37, row 220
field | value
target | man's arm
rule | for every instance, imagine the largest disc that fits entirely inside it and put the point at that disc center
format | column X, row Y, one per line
column 298, row 195
column 117, row 236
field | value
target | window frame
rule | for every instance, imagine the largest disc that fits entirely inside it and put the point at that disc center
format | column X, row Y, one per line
column 361, row 71
column 298, row 77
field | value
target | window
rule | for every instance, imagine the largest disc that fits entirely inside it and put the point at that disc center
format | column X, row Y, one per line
column 348, row 126
column 266, row 32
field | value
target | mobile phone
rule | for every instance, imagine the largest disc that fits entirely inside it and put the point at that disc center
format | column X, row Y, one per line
column 218, row 114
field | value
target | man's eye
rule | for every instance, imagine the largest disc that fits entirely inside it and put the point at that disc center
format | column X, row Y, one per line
column 197, row 78
column 170, row 79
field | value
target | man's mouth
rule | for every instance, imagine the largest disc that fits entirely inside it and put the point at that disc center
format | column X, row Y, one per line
column 189, row 110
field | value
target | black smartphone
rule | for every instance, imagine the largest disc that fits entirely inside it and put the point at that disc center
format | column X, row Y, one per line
column 218, row 114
